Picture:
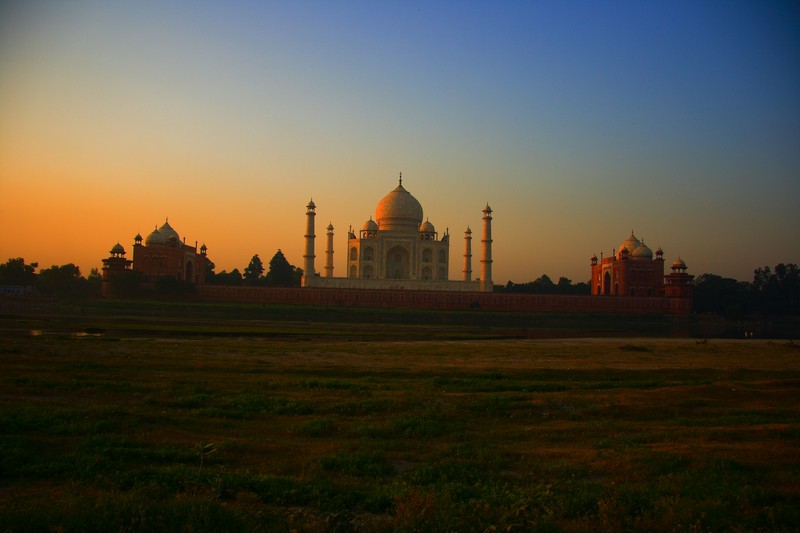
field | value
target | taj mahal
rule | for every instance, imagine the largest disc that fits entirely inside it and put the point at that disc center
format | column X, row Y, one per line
column 405, row 262
column 397, row 250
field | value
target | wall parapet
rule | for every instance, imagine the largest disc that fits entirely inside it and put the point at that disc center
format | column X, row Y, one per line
column 449, row 300
column 393, row 284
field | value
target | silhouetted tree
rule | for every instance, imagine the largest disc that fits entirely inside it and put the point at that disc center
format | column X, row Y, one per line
column 545, row 285
column 126, row 284
column 234, row 278
column 777, row 292
column 172, row 286
column 64, row 281
column 210, row 271
column 252, row 274
column 16, row 272
column 297, row 276
column 94, row 283
column 281, row 273
column 715, row 294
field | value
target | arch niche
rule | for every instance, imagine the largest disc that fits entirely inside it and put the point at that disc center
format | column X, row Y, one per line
column 607, row 284
column 189, row 271
column 397, row 264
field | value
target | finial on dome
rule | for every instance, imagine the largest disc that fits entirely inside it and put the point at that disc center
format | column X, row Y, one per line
column 401, row 179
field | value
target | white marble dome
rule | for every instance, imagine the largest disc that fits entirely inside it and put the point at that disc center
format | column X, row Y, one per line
column 370, row 225
column 399, row 210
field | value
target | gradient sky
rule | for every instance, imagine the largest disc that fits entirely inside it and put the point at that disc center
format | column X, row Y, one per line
column 577, row 121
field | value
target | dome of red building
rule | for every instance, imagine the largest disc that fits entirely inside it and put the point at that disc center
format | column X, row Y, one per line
column 642, row 252
column 168, row 233
column 631, row 243
column 155, row 237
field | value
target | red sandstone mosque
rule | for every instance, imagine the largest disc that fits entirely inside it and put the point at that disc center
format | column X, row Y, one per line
column 632, row 271
column 162, row 254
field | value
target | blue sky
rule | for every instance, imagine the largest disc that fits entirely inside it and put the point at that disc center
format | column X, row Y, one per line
column 576, row 121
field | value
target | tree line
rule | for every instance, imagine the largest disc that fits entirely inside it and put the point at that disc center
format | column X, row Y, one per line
column 280, row 274
column 773, row 291
column 66, row 281
column 545, row 285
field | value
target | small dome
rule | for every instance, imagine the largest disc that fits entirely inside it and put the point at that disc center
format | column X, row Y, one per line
column 679, row 264
column 168, row 233
column 155, row 238
column 631, row 243
column 138, row 237
column 399, row 210
column 117, row 249
column 642, row 252
column 370, row 225
column 427, row 227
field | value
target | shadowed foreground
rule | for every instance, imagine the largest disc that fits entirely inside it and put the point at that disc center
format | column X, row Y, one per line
column 153, row 433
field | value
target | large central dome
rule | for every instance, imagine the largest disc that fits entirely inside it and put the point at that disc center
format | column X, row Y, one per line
column 398, row 210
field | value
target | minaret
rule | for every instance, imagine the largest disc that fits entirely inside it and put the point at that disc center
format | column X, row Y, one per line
column 486, row 241
column 308, row 257
column 329, row 253
column 468, row 255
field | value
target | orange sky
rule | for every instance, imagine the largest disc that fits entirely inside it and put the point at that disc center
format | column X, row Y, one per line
column 575, row 125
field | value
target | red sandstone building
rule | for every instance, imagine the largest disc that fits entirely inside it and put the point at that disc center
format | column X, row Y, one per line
column 161, row 254
column 632, row 271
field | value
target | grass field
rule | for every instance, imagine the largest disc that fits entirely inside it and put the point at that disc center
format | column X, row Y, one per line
column 279, row 426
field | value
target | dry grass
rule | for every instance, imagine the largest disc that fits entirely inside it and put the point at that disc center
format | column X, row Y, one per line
column 338, row 432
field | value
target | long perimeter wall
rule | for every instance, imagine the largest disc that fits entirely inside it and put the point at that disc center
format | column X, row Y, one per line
column 443, row 300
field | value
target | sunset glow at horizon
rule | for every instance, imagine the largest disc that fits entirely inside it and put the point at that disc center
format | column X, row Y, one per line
column 576, row 121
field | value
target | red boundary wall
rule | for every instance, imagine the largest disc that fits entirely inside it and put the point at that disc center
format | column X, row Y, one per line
column 492, row 301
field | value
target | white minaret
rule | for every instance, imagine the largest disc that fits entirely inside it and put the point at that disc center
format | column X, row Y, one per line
column 486, row 241
column 468, row 255
column 329, row 253
column 308, row 257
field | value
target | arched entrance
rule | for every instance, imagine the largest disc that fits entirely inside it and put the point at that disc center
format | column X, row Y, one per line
column 607, row 284
column 397, row 263
column 189, row 272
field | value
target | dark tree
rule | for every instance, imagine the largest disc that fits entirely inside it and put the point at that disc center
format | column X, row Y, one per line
column 94, row 283
column 210, row 271
column 64, row 280
column 777, row 292
column 253, row 272
column 16, row 272
column 715, row 294
column 126, row 284
column 281, row 273
column 234, row 277
column 297, row 276
column 172, row 286
column 544, row 285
